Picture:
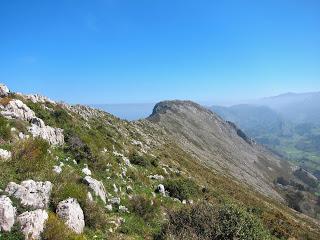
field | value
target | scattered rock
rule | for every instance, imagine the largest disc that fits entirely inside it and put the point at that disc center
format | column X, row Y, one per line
column 86, row 171
column 4, row 90
column 7, row 214
column 156, row 177
column 4, row 154
column 109, row 207
column 160, row 189
column 115, row 200
column 123, row 209
column 57, row 169
column 70, row 211
column 31, row 193
column 97, row 187
column 32, row 223
column 115, row 189
column 89, row 197
column 129, row 189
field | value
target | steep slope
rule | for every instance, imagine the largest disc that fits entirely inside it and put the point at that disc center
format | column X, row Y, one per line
column 219, row 144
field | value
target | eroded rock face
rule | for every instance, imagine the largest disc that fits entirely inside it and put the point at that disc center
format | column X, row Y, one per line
column 32, row 223
column 97, row 187
column 4, row 90
column 70, row 211
column 31, row 193
column 4, row 154
column 7, row 214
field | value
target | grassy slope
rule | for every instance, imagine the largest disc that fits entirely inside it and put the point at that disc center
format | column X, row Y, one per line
column 105, row 131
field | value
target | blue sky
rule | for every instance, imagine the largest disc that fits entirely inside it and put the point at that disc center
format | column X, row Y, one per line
column 124, row 51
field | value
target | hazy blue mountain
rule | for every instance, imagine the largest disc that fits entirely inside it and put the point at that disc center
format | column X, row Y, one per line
column 128, row 111
column 295, row 107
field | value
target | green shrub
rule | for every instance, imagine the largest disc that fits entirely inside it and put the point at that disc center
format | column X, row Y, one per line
column 95, row 216
column 15, row 234
column 143, row 207
column 207, row 222
column 57, row 230
column 5, row 129
column 31, row 156
column 182, row 189
column 68, row 185
column 136, row 159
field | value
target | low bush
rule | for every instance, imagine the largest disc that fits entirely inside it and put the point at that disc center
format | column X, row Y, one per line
column 95, row 216
column 31, row 156
column 136, row 159
column 180, row 188
column 5, row 129
column 207, row 222
column 143, row 207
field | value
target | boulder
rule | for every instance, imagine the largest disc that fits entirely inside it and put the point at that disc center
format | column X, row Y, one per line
column 31, row 193
column 97, row 187
column 4, row 90
column 7, row 214
column 4, row 154
column 32, row 223
column 70, row 211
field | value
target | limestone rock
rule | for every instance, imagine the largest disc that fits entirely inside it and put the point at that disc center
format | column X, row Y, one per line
column 97, row 187
column 57, row 169
column 31, row 193
column 32, row 223
column 53, row 135
column 16, row 109
column 4, row 90
column 70, row 211
column 7, row 214
column 36, row 98
column 4, row 154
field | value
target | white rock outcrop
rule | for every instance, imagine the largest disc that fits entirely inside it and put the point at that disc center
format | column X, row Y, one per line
column 4, row 154
column 4, row 90
column 36, row 98
column 97, row 187
column 16, row 109
column 31, row 193
column 71, row 213
column 7, row 214
column 53, row 135
column 32, row 223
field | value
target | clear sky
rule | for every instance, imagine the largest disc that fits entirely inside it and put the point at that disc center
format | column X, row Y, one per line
column 130, row 51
